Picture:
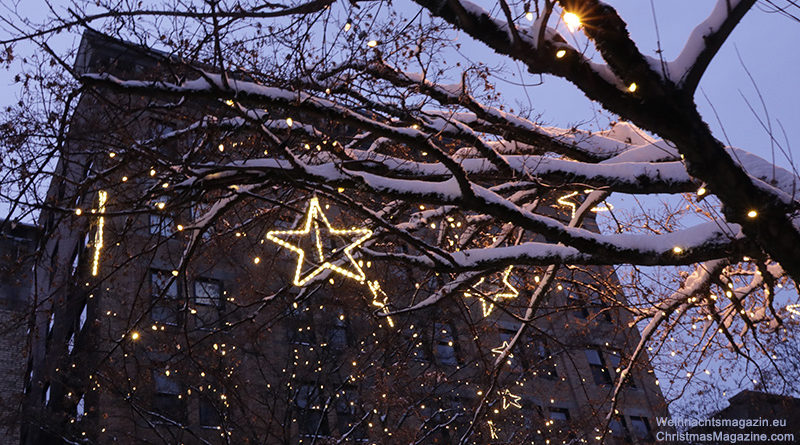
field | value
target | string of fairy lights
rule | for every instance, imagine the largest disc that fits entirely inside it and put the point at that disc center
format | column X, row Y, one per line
column 315, row 225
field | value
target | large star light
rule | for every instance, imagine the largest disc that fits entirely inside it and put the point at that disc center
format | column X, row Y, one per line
column 311, row 227
column 488, row 303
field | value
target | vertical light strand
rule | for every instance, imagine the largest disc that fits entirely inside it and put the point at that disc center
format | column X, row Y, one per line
column 102, row 196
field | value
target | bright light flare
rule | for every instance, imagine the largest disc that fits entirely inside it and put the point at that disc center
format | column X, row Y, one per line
column 572, row 21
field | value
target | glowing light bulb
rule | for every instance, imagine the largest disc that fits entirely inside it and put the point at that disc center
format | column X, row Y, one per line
column 752, row 214
column 572, row 21
column 677, row 250
column 134, row 335
column 529, row 16
column 289, row 121
column 372, row 43
column 701, row 191
column 632, row 87
column 561, row 53
column 347, row 26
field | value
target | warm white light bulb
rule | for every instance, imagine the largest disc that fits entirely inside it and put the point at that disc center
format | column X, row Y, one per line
column 572, row 21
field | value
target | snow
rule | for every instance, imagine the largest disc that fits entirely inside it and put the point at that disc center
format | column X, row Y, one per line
column 679, row 68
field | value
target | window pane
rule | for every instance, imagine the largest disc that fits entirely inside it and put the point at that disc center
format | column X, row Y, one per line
column 641, row 427
column 593, row 356
column 207, row 292
column 209, row 416
column 559, row 414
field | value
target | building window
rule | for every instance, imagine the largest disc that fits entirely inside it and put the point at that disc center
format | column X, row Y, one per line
column 598, row 367
column 444, row 344
column 339, row 334
column 578, row 307
column 614, row 361
column 618, row 429
column 301, row 322
column 545, row 366
column 167, row 398
column 164, row 291
column 311, row 417
column 641, row 428
column 209, row 414
column 518, row 359
column 603, row 309
column 70, row 343
column 417, row 348
column 208, row 303
column 82, row 318
column 46, row 394
column 161, row 223
column 80, row 408
column 560, row 414
column 346, row 419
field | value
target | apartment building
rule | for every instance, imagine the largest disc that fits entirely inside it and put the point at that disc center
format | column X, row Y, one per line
column 149, row 331
column 17, row 247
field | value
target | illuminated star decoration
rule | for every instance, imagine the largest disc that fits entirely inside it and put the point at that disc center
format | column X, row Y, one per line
column 102, row 196
column 499, row 350
column 793, row 308
column 492, row 432
column 379, row 298
column 573, row 207
column 314, row 216
column 510, row 292
column 510, row 399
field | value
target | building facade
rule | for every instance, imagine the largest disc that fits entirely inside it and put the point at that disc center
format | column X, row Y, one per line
column 162, row 321
column 17, row 247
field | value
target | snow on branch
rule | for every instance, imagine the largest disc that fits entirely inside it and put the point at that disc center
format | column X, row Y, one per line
column 704, row 42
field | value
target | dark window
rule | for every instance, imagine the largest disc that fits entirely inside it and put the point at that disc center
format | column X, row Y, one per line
column 641, row 428
column 418, row 349
column 561, row 414
column 164, row 291
column 209, row 414
column 598, row 367
column 519, row 359
column 347, row 420
column 167, row 398
column 619, row 429
column 444, row 344
column 70, row 343
column 614, row 361
column 161, row 224
column 602, row 307
column 578, row 306
column 300, row 323
column 339, row 334
column 311, row 417
column 208, row 303
column 545, row 365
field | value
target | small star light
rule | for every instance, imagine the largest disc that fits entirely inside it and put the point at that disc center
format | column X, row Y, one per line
column 377, row 293
column 510, row 399
column 564, row 201
column 102, row 196
column 499, row 350
column 314, row 216
column 511, row 292
column 793, row 308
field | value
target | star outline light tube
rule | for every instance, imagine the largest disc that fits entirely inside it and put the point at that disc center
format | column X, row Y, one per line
column 314, row 214
column 102, row 197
